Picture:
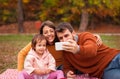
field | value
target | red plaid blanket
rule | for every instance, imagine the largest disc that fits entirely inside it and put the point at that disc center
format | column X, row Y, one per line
column 12, row 74
column 9, row 74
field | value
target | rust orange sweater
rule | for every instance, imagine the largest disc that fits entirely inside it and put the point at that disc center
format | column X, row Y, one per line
column 91, row 59
column 22, row 54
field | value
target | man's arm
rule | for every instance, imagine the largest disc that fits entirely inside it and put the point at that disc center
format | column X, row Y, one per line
column 21, row 56
column 87, row 45
column 67, row 66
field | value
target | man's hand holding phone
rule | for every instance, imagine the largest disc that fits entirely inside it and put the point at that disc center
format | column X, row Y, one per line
column 70, row 46
column 59, row 45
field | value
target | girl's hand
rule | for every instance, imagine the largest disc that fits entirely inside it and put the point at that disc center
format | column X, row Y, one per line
column 39, row 72
column 48, row 71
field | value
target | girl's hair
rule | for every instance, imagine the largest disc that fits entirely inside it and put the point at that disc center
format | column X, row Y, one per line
column 37, row 38
column 49, row 24
column 63, row 26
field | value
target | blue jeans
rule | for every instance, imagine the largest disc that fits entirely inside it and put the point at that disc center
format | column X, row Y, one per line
column 113, row 69
column 59, row 67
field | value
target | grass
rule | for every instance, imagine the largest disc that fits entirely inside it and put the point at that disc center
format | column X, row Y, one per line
column 111, row 40
column 10, row 45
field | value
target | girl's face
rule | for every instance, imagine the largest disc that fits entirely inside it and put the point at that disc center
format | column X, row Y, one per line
column 40, row 47
column 49, row 34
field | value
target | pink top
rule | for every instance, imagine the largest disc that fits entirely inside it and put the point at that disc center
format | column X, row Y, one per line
column 33, row 61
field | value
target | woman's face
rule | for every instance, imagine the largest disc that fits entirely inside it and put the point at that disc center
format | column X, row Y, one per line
column 49, row 34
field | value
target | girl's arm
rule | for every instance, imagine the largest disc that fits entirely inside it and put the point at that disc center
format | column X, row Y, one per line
column 52, row 64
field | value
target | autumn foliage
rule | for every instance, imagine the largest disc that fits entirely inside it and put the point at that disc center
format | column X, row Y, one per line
column 60, row 10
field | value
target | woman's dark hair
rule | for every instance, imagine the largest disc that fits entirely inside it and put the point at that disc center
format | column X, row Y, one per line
column 49, row 24
column 37, row 38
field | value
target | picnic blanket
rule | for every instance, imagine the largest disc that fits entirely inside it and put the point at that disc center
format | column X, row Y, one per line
column 9, row 74
column 85, row 76
column 12, row 74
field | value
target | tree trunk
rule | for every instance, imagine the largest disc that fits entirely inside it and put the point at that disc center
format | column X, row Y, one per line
column 84, row 21
column 20, row 17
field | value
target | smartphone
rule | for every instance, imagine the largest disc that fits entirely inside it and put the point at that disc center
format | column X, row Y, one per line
column 58, row 45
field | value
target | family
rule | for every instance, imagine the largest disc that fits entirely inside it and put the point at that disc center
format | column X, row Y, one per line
column 83, row 54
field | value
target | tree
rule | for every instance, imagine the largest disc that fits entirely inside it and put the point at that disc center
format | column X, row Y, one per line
column 74, row 11
column 78, row 12
column 100, row 8
column 84, row 20
column 20, row 17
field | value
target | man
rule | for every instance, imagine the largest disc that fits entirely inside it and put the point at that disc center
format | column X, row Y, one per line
column 84, row 55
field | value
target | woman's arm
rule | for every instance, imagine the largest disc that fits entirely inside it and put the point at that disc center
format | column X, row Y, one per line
column 21, row 56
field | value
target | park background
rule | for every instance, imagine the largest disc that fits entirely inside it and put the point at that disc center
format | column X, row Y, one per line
column 21, row 19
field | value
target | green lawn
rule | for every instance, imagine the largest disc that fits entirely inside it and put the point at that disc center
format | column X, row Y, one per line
column 10, row 45
column 111, row 40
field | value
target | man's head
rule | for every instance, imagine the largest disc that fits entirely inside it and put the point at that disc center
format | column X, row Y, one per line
column 64, row 31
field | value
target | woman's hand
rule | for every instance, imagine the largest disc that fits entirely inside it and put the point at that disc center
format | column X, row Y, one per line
column 99, row 40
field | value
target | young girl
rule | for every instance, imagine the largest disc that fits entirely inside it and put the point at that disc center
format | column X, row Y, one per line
column 39, row 63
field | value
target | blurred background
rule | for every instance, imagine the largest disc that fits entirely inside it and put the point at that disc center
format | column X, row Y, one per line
column 21, row 19
column 24, row 16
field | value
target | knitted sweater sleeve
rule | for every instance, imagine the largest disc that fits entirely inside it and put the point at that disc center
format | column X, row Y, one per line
column 88, row 44
column 67, row 65
column 21, row 56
